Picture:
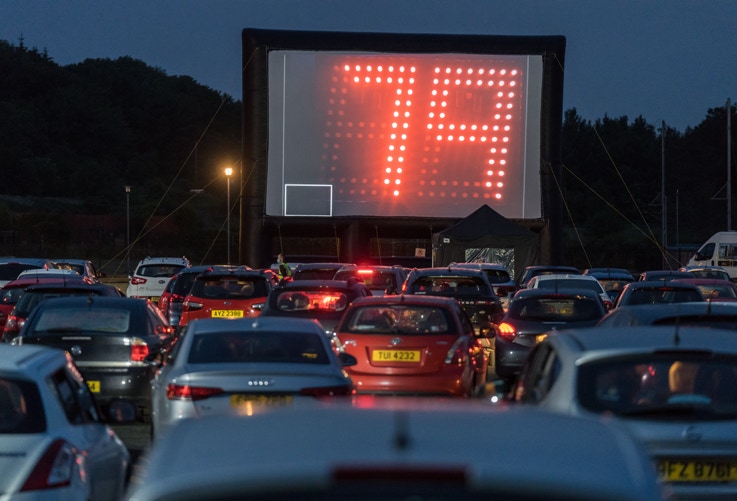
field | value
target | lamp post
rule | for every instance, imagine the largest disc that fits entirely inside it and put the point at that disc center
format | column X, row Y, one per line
column 128, row 228
column 228, row 173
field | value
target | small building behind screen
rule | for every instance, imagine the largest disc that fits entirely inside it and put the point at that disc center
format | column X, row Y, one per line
column 368, row 141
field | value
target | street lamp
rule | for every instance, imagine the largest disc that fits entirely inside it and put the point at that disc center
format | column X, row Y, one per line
column 228, row 173
column 128, row 228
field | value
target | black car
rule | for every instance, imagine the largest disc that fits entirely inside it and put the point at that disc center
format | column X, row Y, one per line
column 35, row 294
column 534, row 312
column 470, row 287
column 658, row 292
column 113, row 340
column 323, row 300
column 379, row 278
column 316, row 271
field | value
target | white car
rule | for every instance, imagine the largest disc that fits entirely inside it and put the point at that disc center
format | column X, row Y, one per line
column 152, row 274
column 674, row 387
column 571, row 281
column 54, row 443
column 397, row 448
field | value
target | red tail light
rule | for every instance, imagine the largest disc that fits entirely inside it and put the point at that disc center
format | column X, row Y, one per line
column 186, row 392
column 507, row 332
column 329, row 391
column 457, row 354
column 13, row 324
column 139, row 350
column 138, row 281
column 54, row 469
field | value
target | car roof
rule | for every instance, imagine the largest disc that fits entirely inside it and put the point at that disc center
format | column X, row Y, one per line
column 164, row 260
column 653, row 312
column 411, row 299
column 602, row 461
column 449, row 271
column 545, row 292
column 25, row 260
column 563, row 276
column 480, row 266
column 27, row 281
column 646, row 338
column 116, row 301
column 28, row 358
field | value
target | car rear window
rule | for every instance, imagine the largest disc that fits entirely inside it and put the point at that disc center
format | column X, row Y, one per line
column 570, row 283
column 303, row 300
column 449, row 286
column 109, row 320
column 401, row 319
column 556, row 309
column 657, row 295
column 158, row 270
column 21, row 410
column 497, row 276
column 661, row 385
column 229, row 287
column 371, row 278
column 266, row 347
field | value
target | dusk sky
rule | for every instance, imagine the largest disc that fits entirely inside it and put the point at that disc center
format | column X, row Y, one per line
column 667, row 60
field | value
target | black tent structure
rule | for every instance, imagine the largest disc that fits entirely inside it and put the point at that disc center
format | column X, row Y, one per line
column 487, row 229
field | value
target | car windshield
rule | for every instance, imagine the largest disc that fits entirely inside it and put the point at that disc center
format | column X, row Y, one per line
column 85, row 319
column 384, row 319
column 450, row 286
column 267, row 347
column 664, row 385
column 555, row 309
column 570, row 283
column 11, row 271
column 21, row 410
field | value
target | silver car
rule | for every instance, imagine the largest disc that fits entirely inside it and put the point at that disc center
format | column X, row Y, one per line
column 674, row 387
column 244, row 366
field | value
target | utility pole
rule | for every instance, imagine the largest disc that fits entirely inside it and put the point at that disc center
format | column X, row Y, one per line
column 729, row 166
column 664, row 229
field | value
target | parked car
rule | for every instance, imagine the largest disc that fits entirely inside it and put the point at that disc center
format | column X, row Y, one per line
column 55, row 441
column 532, row 314
column 532, row 271
column 176, row 289
column 707, row 272
column 245, row 366
column 673, row 387
column 380, row 279
column 573, row 281
column 707, row 314
column 411, row 344
column 657, row 292
column 665, row 275
column 84, row 267
column 713, row 289
column 322, row 300
column 12, row 291
column 316, row 271
column 114, row 341
column 38, row 292
column 11, row 267
column 500, row 279
column 226, row 293
column 151, row 275
column 612, row 279
column 408, row 449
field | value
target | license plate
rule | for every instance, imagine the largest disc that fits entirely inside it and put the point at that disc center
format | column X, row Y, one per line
column 395, row 356
column 698, row 471
column 154, row 299
column 238, row 401
column 227, row 313
column 94, row 386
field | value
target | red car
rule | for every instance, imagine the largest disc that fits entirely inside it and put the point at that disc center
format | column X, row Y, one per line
column 411, row 345
column 227, row 293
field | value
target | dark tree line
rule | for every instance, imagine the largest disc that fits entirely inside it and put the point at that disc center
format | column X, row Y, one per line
column 71, row 138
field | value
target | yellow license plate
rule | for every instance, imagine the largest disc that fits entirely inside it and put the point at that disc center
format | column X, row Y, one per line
column 227, row 313
column 395, row 356
column 94, row 386
column 154, row 299
column 698, row 471
column 260, row 400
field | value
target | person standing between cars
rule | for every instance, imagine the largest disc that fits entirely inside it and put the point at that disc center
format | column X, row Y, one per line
column 284, row 269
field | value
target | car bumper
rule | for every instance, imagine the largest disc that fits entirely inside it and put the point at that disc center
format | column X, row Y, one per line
column 509, row 358
column 133, row 383
column 447, row 383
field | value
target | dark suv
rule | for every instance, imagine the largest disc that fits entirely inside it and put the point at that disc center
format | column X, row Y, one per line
column 380, row 279
column 470, row 287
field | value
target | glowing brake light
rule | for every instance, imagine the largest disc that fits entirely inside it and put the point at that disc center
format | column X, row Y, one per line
column 507, row 331
column 186, row 392
column 139, row 350
column 457, row 354
column 138, row 281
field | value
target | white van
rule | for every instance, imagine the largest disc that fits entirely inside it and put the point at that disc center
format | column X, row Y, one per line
column 719, row 250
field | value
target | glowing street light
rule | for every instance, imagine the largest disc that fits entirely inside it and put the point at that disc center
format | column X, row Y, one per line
column 228, row 173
